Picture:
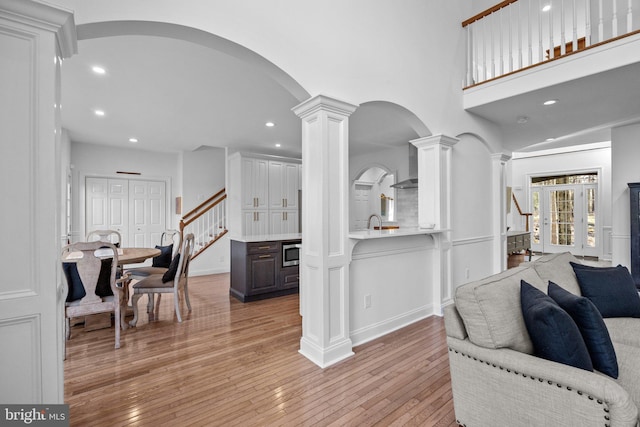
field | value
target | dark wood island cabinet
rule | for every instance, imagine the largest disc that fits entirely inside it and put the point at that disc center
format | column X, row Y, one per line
column 257, row 270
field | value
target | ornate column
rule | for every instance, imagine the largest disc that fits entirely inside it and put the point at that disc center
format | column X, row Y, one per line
column 499, row 205
column 434, row 208
column 324, row 266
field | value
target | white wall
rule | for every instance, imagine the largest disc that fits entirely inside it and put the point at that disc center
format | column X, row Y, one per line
column 471, row 211
column 588, row 157
column 203, row 175
column 625, row 152
column 101, row 160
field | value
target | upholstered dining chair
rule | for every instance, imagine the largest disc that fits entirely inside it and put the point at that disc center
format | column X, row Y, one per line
column 174, row 280
column 92, row 287
column 105, row 236
column 169, row 245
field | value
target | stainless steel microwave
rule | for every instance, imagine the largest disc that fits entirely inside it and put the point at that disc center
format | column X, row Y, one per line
column 290, row 254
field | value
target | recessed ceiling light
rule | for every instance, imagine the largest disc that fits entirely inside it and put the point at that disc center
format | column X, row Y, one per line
column 550, row 139
column 522, row 119
column 550, row 102
column 99, row 113
column 546, row 8
column 278, row 145
column 98, row 69
column 133, row 140
column 269, row 124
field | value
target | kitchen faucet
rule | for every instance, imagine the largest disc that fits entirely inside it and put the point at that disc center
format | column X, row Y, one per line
column 374, row 216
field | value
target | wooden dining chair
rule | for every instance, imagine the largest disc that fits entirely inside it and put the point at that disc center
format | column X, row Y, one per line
column 169, row 245
column 87, row 265
column 174, row 280
column 105, row 236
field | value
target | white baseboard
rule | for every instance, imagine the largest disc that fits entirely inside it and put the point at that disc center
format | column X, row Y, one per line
column 384, row 327
column 208, row 271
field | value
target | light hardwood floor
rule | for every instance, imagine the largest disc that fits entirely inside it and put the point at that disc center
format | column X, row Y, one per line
column 235, row 364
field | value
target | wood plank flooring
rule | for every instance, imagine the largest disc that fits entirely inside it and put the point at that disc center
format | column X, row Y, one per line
column 235, row 364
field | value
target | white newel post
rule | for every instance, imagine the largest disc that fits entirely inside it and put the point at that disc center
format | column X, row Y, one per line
column 324, row 266
column 434, row 207
column 499, row 206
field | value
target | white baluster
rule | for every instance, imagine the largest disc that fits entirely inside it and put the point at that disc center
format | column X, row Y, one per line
column 500, row 40
column 519, row 36
column 614, row 19
column 469, row 80
column 492, row 49
column 629, row 16
column 574, row 13
column 587, row 20
column 484, row 49
column 551, row 50
column 563, row 39
column 529, row 37
column 510, row 68
column 600, row 22
column 540, row 47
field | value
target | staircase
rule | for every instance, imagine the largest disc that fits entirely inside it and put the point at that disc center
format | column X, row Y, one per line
column 207, row 222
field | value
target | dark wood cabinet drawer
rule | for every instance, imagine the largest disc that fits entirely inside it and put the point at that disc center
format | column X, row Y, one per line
column 260, row 247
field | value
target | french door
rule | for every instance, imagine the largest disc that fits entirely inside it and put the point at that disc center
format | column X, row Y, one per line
column 565, row 219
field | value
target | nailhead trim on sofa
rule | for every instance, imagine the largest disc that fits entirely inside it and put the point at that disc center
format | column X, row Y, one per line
column 600, row 402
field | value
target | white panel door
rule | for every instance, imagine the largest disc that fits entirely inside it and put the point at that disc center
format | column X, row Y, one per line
column 147, row 212
column 106, row 205
column 255, row 223
column 96, row 204
column 283, row 222
column 291, row 185
column 361, row 209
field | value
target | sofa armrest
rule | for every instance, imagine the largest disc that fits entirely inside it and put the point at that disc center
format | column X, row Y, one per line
column 506, row 387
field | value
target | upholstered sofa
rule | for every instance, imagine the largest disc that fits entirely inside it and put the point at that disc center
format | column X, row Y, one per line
column 497, row 378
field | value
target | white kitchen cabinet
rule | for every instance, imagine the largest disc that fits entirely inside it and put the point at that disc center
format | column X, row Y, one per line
column 255, row 222
column 262, row 194
column 284, row 183
column 255, row 183
column 283, row 221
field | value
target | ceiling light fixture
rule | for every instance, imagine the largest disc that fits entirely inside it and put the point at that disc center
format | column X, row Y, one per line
column 550, row 102
column 133, row 140
column 98, row 69
column 549, row 139
column 278, row 145
column 269, row 124
column 522, row 119
column 99, row 113
column 546, row 8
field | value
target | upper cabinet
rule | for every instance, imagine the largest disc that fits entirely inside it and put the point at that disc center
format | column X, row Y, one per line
column 284, row 183
column 262, row 194
column 255, row 183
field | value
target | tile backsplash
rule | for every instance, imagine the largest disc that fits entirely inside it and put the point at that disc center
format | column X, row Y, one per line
column 407, row 207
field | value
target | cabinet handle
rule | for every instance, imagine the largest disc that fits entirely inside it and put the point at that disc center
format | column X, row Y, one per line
column 286, row 216
column 286, row 203
column 264, row 256
column 264, row 247
column 283, row 216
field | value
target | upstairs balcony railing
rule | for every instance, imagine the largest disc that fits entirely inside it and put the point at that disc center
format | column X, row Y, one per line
column 517, row 34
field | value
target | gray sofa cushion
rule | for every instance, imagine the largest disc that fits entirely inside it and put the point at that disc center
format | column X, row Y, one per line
column 491, row 310
column 624, row 330
column 556, row 267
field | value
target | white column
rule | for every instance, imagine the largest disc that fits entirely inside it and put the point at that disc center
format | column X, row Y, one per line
column 499, row 205
column 34, row 37
column 324, row 266
column 434, row 208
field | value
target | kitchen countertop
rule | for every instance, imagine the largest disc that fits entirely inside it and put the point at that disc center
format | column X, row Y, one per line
column 267, row 237
column 378, row 234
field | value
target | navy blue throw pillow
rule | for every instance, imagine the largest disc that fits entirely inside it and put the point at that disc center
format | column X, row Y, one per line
column 610, row 289
column 170, row 274
column 592, row 327
column 74, row 283
column 76, row 287
column 553, row 332
column 164, row 259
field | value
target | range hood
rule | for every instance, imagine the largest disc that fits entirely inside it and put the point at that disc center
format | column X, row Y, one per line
column 412, row 181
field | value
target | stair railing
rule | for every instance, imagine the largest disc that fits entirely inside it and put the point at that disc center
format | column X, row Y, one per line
column 515, row 35
column 207, row 222
column 524, row 214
